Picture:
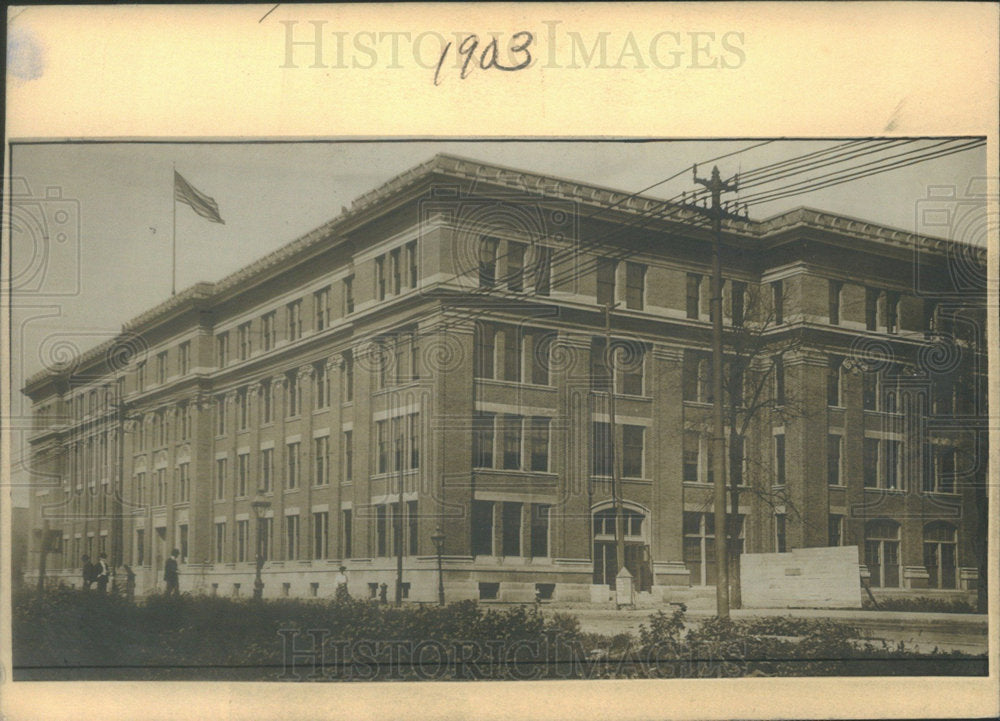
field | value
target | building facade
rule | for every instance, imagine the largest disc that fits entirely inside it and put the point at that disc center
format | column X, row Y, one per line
column 438, row 358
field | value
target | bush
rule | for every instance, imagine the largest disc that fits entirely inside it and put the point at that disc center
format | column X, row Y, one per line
column 65, row 633
column 922, row 604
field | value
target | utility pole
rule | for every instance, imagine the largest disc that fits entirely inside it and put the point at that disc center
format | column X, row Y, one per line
column 616, row 496
column 398, row 524
column 716, row 186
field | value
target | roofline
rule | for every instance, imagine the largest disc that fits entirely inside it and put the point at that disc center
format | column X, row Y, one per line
column 536, row 183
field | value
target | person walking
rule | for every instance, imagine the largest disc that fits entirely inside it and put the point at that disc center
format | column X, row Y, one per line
column 340, row 585
column 102, row 573
column 129, row 582
column 170, row 574
column 88, row 572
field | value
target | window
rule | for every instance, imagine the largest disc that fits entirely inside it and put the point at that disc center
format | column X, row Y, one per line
column 482, row 440
column 891, row 463
column 321, row 386
column 293, row 394
column 540, row 344
column 778, row 366
column 321, row 305
column 184, row 482
column 833, row 445
column 891, row 300
column 871, row 308
column 220, row 542
column 882, row 553
column 292, row 449
column 779, row 459
column 836, row 289
column 691, row 456
column 941, row 475
column 780, row 533
column 693, row 295
column 321, row 534
column 538, row 445
column 629, row 363
column 243, row 340
column 511, row 440
column 632, row 444
column 267, row 406
column 268, row 331
column 292, row 537
column 348, row 455
column 413, row 528
column 242, row 409
column 220, row 478
column 293, row 314
column 485, row 339
column 699, row 547
column 184, row 415
column 348, row 359
column 411, row 262
column 871, row 462
column 739, row 295
column 320, row 451
column 601, row 449
column 140, row 546
column 413, row 431
column 940, row 554
column 242, row 540
column 543, row 270
column 182, row 532
column 834, row 369
column 161, row 373
column 381, row 531
column 511, row 528
column 778, row 301
column 635, row 285
column 346, row 531
column 380, row 277
column 140, row 379
column 869, row 392
column 222, row 349
column 265, row 527
column 511, row 354
column 184, row 358
column 396, row 270
column 482, row 528
column 540, row 530
column 349, row 295
column 381, row 441
column 606, row 281
column 242, row 474
column 835, row 531
column 515, row 266
column 266, row 470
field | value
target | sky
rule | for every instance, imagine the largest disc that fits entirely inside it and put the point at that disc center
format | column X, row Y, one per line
column 107, row 209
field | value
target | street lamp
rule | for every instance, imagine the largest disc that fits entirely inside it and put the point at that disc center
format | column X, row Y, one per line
column 438, row 538
column 259, row 505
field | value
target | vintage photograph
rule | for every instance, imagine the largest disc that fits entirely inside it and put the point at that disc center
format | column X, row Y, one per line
column 445, row 410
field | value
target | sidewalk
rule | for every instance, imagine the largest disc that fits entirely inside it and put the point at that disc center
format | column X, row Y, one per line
column 966, row 632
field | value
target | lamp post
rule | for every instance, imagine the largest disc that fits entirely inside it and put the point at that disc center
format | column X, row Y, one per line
column 438, row 538
column 259, row 505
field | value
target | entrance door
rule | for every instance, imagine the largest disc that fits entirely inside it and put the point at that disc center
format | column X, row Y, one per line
column 636, row 551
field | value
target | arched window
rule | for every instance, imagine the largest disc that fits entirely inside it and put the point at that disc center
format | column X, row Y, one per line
column 882, row 553
column 940, row 551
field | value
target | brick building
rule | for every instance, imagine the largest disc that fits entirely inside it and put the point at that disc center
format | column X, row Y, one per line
column 436, row 357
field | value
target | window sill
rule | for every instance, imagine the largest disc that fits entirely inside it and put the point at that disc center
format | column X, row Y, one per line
column 290, row 490
column 518, row 471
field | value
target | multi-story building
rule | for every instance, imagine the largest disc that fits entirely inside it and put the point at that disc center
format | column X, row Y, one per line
column 436, row 357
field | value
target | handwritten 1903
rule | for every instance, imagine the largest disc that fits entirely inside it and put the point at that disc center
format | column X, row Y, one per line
column 488, row 56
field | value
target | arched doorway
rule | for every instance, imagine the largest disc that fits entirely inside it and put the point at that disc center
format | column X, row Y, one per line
column 637, row 558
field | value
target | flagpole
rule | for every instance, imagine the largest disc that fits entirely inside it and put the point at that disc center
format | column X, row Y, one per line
column 173, row 242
